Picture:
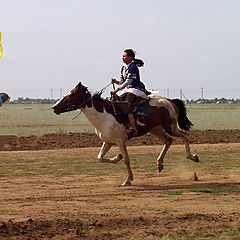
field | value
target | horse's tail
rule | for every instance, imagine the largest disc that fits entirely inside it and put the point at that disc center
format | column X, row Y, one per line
column 183, row 121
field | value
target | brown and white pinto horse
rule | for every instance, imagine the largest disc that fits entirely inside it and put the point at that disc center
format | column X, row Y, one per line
column 168, row 120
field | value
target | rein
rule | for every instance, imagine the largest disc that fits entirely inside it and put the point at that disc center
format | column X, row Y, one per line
column 77, row 115
column 79, row 107
column 102, row 90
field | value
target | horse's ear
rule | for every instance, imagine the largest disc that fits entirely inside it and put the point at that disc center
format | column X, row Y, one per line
column 79, row 85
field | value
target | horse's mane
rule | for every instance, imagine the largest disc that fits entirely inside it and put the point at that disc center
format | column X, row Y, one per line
column 100, row 103
column 98, row 97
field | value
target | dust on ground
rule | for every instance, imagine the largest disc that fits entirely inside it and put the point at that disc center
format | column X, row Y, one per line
column 81, row 207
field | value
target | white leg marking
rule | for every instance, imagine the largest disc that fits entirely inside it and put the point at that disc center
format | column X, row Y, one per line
column 123, row 149
column 104, row 149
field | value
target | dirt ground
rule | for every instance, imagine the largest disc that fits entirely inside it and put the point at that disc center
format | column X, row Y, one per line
column 80, row 207
column 83, row 140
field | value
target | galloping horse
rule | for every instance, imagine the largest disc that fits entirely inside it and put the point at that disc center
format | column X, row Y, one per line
column 168, row 119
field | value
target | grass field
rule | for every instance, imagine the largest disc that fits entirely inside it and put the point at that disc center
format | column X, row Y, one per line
column 87, row 165
column 36, row 119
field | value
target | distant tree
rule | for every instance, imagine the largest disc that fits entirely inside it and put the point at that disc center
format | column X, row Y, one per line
column 28, row 100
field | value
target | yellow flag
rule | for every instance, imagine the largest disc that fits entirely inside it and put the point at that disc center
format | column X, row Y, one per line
column 1, row 51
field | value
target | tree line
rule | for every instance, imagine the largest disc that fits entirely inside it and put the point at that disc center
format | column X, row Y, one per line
column 27, row 100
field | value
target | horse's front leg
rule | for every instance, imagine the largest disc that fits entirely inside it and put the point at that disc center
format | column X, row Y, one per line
column 123, row 149
column 104, row 149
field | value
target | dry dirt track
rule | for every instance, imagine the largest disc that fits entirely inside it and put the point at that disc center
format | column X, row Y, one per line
column 83, row 207
column 82, row 140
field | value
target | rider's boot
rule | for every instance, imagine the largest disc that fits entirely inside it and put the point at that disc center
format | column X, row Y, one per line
column 133, row 129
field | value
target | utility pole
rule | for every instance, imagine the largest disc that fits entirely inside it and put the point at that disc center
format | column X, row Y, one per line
column 181, row 94
column 167, row 92
column 60, row 93
column 51, row 93
column 202, row 96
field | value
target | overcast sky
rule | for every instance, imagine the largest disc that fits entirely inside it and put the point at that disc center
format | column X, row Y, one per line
column 185, row 44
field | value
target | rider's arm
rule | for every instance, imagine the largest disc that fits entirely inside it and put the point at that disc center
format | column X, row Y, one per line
column 131, row 76
column 116, row 81
column 125, row 84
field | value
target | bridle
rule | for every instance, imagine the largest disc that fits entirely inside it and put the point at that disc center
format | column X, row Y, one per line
column 76, row 106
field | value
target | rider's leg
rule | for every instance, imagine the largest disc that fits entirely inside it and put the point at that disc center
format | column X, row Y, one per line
column 132, row 121
column 130, row 99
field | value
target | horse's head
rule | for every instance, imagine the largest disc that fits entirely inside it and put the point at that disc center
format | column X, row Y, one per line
column 77, row 98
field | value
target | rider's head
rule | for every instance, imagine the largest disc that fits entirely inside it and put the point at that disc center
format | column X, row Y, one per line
column 129, row 55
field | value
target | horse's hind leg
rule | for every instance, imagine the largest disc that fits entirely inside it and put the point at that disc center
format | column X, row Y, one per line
column 190, row 156
column 167, row 140
column 104, row 149
column 176, row 132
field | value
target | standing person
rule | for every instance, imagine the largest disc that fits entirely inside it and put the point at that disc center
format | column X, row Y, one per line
column 130, row 84
column 3, row 98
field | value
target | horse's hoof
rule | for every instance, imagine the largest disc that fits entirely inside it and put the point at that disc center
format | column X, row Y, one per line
column 120, row 156
column 126, row 183
column 160, row 168
column 196, row 158
column 117, row 158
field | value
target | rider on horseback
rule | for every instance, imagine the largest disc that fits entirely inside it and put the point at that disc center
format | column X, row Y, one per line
column 130, row 84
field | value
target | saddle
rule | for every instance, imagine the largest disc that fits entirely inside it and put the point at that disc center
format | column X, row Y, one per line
column 140, row 106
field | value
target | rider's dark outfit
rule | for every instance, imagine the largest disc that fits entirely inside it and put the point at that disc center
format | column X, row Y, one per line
column 132, row 86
